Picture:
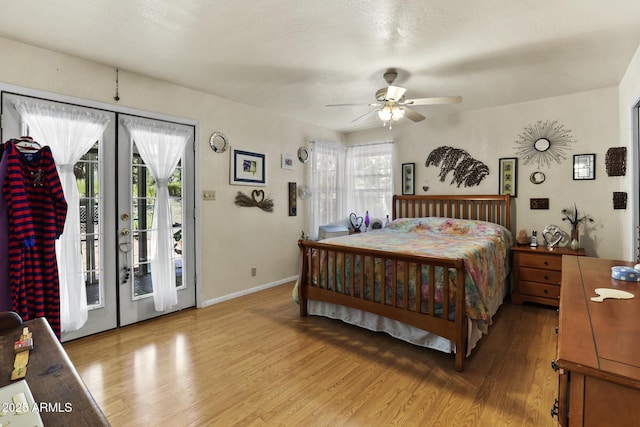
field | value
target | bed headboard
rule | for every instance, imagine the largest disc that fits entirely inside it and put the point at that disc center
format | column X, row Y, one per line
column 493, row 208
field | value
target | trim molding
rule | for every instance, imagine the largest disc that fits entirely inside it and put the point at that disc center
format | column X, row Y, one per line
column 248, row 291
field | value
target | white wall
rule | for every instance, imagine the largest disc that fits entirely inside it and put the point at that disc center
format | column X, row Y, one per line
column 489, row 134
column 629, row 98
column 233, row 239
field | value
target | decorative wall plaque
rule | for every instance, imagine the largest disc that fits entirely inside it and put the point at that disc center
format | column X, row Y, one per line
column 539, row 203
column 619, row 200
column 293, row 199
column 616, row 161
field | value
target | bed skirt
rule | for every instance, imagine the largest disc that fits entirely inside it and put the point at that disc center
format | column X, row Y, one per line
column 400, row 330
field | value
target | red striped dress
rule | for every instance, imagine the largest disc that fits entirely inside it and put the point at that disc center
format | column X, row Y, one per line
column 37, row 211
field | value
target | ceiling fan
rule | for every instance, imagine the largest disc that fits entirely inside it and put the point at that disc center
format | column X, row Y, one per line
column 391, row 104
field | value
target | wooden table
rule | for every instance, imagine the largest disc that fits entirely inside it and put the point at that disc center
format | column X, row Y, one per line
column 52, row 378
column 598, row 347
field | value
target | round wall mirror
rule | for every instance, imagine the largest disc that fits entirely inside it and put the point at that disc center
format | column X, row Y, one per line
column 303, row 154
column 542, row 144
column 218, row 142
column 537, row 177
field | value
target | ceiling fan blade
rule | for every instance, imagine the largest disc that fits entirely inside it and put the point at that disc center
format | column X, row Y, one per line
column 371, row 104
column 364, row 116
column 413, row 115
column 352, row 105
column 394, row 93
column 434, row 100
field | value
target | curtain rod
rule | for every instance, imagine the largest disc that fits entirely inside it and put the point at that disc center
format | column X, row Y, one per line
column 354, row 145
column 369, row 143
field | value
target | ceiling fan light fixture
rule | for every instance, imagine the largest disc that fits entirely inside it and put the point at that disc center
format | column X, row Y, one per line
column 390, row 113
column 385, row 114
column 396, row 113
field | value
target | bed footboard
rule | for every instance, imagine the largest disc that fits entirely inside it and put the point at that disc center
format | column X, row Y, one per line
column 425, row 292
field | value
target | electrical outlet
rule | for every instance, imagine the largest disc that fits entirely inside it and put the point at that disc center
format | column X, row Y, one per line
column 208, row 195
column 253, row 271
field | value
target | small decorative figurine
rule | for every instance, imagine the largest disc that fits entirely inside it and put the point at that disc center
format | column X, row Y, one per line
column 523, row 239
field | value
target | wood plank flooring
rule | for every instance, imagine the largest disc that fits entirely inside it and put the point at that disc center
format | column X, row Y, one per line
column 253, row 361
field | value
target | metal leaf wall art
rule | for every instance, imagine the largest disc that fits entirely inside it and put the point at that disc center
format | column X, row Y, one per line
column 466, row 170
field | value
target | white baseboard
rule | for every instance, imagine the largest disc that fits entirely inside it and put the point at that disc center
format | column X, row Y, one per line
column 247, row 291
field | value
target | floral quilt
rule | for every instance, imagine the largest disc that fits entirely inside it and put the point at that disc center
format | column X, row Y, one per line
column 483, row 246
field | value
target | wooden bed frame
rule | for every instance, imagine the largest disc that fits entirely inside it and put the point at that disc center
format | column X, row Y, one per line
column 492, row 208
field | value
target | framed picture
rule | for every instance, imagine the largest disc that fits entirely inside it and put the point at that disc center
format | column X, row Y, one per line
column 287, row 161
column 408, row 178
column 508, row 176
column 247, row 168
column 584, row 166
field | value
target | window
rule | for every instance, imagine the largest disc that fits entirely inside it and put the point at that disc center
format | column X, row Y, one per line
column 369, row 179
column 327, row 173
column 350, row 179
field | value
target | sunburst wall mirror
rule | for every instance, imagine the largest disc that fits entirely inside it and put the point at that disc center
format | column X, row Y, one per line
column 543, row 143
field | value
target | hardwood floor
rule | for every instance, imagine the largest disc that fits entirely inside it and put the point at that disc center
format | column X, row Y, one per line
column 253, row 361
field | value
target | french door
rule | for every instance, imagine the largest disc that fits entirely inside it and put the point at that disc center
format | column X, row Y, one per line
column 136, row 199
column 117, row 197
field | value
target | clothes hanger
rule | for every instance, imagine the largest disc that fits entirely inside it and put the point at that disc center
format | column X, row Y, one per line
column 27, row 144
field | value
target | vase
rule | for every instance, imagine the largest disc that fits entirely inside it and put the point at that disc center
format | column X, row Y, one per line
column 575, row 243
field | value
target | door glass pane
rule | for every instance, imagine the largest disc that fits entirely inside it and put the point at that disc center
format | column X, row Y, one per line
column 143, row 202
column 87, row 172
column 175, row 199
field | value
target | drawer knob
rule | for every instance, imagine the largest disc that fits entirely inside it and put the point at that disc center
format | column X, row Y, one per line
column 546, row 277
column 546, row 263
column 546, row 291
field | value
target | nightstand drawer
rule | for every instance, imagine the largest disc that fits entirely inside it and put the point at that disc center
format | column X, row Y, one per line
column 551, row 277
column 540, row 290
column 549, row 262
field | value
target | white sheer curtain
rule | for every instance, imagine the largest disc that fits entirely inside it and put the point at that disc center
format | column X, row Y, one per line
column 369, row 179
column 160, row 146
column 69, row 132
column 327, row 185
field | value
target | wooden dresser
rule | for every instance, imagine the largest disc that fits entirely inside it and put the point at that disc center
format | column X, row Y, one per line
column 537, row 272
column 598, row 347
column 61, row 396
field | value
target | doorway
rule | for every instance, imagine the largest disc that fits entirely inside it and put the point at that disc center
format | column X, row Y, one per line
column 118, row 194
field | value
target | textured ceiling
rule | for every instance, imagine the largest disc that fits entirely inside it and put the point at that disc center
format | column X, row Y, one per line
column 296, row 56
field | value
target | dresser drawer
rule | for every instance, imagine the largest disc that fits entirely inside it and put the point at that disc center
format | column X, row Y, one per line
column 535, row 260
column 551, row 277
column 540, row 290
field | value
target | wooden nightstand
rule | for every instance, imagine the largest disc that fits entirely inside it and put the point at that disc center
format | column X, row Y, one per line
column 537, row 273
